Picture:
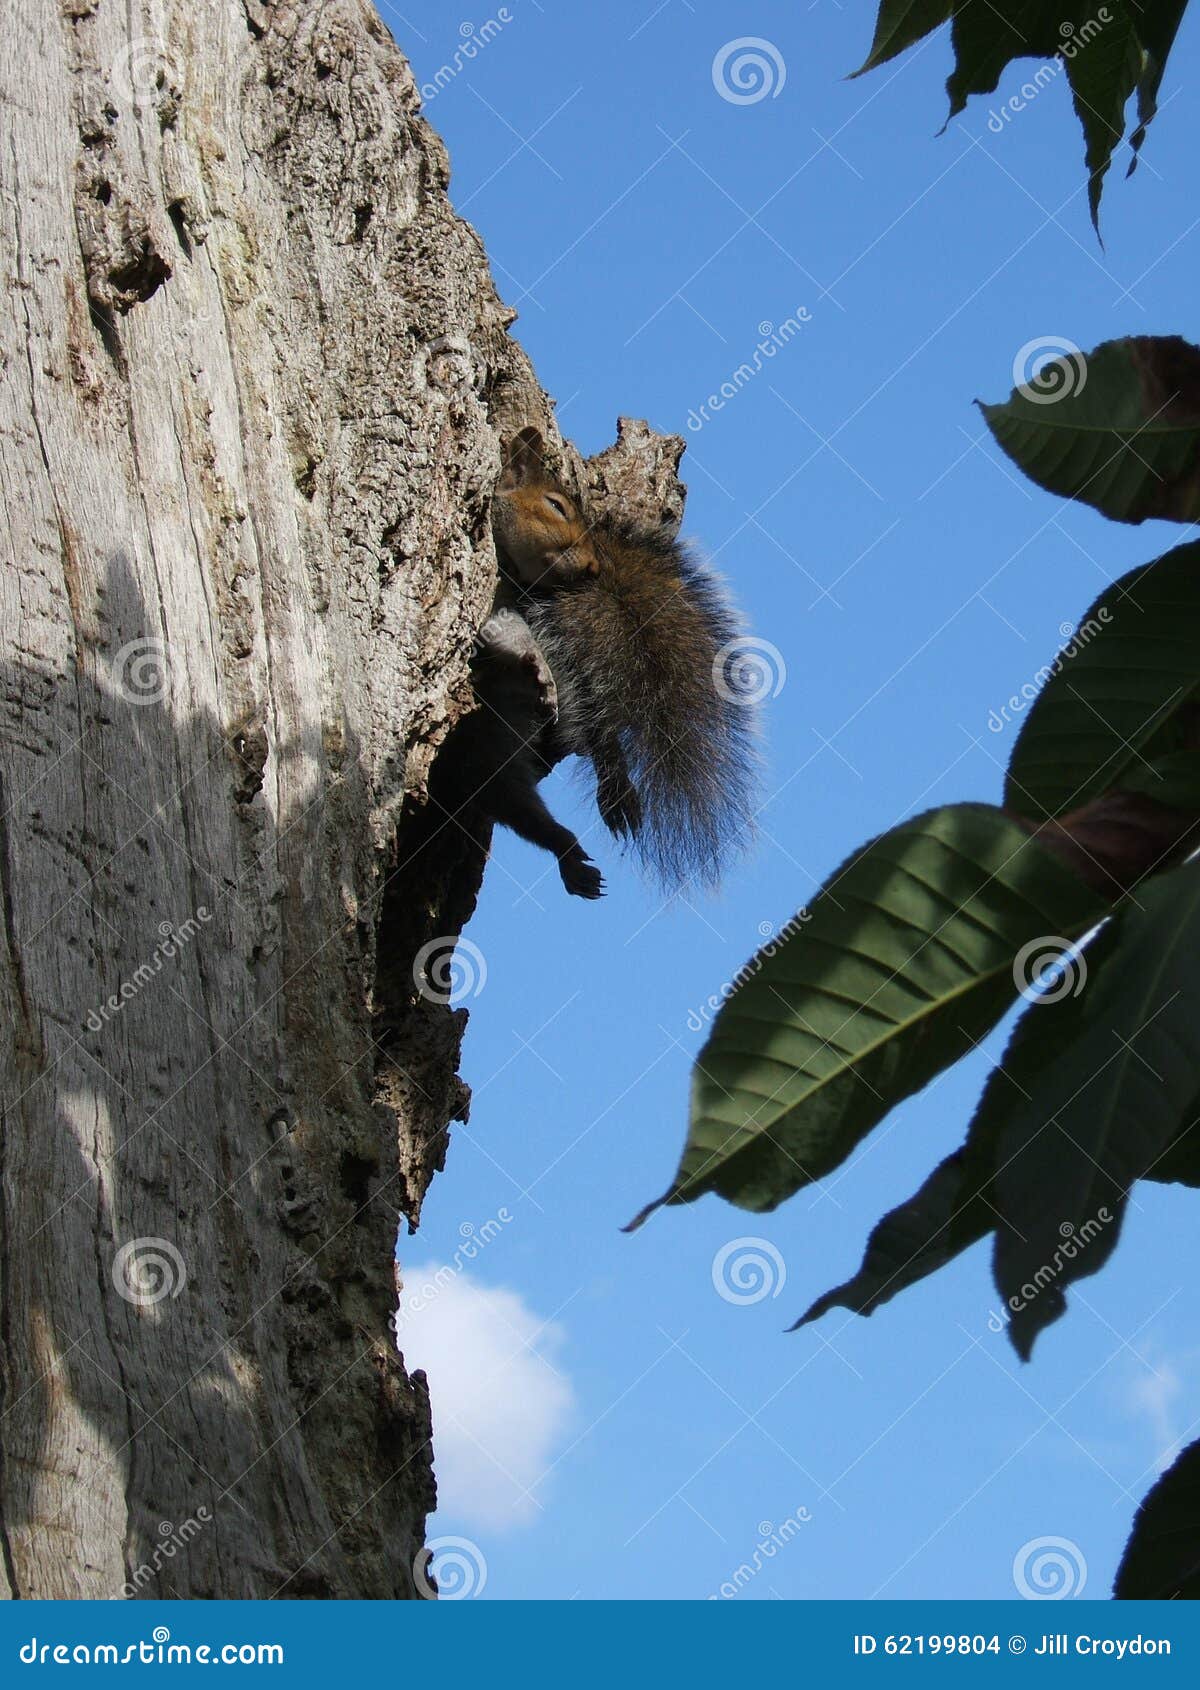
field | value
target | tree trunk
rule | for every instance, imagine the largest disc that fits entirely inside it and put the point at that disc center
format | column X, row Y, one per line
column 254, row 372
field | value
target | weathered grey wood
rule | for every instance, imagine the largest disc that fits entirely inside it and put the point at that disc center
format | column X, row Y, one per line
column 253, row 375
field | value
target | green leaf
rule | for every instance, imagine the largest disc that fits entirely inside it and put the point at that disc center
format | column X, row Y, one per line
column 1113, row 697
column 904, row 961
column 1106, row 52
column 1157, row 22
column 1118, row 428
column 1104, row 1112
column 955, row 1207
column 1103, row 74
column 1162, row 1558
column 1172, row 779
column 912, row 1241
column 1179, row 1163
column 1101, row 56
column 988, row 38
column 901, row 24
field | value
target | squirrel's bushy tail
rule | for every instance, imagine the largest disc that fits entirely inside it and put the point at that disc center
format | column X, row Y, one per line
column 646, row 652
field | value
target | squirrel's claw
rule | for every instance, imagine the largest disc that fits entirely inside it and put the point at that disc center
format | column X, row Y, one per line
column 580, row 875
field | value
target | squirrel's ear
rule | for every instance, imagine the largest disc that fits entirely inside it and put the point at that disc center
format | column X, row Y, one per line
column 523, row 458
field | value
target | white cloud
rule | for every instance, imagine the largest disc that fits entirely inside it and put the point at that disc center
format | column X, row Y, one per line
column 1154, row 1395
column 501, row 1403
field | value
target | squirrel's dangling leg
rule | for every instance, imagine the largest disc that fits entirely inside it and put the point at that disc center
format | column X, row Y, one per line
column 513, row 799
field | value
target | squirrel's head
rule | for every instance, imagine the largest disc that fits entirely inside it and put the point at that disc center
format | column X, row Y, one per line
column 540, row 531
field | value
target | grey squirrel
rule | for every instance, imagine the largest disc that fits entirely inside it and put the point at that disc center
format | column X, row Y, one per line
column 622, row 651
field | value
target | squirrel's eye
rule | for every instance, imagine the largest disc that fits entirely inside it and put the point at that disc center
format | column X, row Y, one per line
column 559, row 506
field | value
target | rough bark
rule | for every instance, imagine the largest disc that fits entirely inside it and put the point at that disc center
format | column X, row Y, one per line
column 254, row 374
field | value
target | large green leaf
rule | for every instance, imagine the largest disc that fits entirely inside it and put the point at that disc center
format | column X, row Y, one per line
column 1101, row 56
column 912, row 1241
column 987, row 39
column 901, row 24
column 904, row 961
column 1105, row 1111
column 1179, row 1163
column 1118, row 428
column 1127, row 676
column 955, row 1208
column 1171, row 779
column 1161, row 1562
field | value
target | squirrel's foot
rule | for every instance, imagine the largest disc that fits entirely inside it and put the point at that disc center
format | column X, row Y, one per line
column 506, row 634
column 620, row 809
column 580, row 875
column 505, row 631
column 543, row 681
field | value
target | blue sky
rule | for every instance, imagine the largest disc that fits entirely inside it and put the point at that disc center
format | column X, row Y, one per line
column 607, row 1424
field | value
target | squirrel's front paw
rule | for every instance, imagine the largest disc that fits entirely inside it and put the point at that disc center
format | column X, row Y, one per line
column 543, row 681
column 580, row 875
column 507, row 636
